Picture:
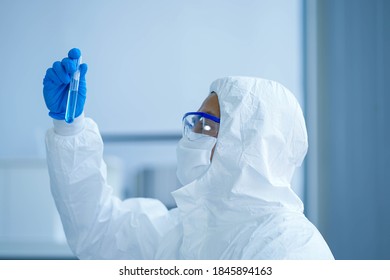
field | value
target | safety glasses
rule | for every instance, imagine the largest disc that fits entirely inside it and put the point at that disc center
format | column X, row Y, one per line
column 198, row 124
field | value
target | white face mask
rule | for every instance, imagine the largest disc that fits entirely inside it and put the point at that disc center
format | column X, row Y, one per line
column 193, row 157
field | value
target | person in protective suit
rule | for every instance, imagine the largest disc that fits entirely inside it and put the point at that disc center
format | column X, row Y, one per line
column 236, row 160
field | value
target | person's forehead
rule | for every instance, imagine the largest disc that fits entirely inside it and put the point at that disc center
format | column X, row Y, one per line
column 210, row 105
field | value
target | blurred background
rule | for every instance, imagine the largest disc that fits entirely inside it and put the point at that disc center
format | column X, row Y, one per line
column 151, row 61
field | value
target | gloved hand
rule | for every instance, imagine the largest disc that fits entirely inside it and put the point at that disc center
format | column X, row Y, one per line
column 56, row 85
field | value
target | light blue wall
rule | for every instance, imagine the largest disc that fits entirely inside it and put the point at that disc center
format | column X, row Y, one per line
column 353, row 127
column 149, row 61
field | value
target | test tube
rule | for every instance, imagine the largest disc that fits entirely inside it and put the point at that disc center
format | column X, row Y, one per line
column 72, row 94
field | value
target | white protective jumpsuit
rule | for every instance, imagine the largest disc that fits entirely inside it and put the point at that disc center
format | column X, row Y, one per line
column 241, row 208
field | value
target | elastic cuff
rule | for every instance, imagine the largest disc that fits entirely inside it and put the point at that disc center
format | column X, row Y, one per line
column 67, row 129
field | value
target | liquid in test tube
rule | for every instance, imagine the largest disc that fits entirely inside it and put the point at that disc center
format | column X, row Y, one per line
column 72, row 94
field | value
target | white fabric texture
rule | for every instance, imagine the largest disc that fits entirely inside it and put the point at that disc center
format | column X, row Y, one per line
column 193, row 157
column 241, row 208
column 66, row 129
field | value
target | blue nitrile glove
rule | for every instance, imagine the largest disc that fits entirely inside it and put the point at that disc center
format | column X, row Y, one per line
column 56, row 85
